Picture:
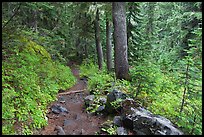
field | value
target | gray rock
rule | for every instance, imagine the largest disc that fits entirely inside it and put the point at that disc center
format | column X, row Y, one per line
column 100, row 108
column 62, row 109
column 102, row 100
column 68, row 122
column 166, row 126
column 113, row 96
column 138, row 132
column 142, row 122
column 58, row 109
column 89, row 99
column 60, row 130
column 82, row 132
column 78, row 117
column 61, row 99
column 121, row 131
column 117, row 120
column 55, row 109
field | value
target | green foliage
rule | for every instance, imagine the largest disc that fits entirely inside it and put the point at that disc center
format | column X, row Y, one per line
column 162, row 94
column 98, row 81
column 191, row 79
column 123, row 85
column 134, row 35
column 109, row 127
column 116, row 104
column 30, row 81
column 93, row 106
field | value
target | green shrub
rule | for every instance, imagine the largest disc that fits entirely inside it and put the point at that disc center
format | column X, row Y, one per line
column 98, row 81
column 162, row 94
column 30, row 81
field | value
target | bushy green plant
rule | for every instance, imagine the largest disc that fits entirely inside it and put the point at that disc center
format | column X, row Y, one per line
column 124, row 86
column 54, row 44
column 109, row 127
column 147, row 78
column 30, row 81
column 162, row 94
column 98, row 81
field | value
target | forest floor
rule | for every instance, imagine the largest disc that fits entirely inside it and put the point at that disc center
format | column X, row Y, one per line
column 76, row 121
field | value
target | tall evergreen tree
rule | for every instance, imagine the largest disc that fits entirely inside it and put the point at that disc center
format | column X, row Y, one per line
column 120, row 40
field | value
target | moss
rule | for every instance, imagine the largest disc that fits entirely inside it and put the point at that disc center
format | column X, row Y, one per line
column 34, row 48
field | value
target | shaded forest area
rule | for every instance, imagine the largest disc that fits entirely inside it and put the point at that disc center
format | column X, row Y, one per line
column 152, row 51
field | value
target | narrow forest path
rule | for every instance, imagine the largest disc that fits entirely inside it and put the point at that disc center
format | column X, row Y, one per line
column 76, row 121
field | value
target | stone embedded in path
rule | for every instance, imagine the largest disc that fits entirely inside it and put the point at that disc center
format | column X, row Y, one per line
column 55, row 109
column 61, row 99
column 82, row 132
column 68, row 122
column 58, row 109
column 60, row 130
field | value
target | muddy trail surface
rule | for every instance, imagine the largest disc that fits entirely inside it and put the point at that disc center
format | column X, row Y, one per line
column 75, row 121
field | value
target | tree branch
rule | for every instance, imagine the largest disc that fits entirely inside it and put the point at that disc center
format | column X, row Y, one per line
column 12, row 16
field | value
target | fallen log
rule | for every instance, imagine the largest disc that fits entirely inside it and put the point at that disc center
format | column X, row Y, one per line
column 71, row 92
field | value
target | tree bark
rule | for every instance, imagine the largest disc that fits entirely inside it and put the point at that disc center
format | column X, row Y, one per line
column 185, row 88
column 108, row 45
column 98, row 42
column 120, row 41
column 78, row 49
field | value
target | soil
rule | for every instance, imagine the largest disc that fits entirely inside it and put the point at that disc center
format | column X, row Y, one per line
column 77, row 121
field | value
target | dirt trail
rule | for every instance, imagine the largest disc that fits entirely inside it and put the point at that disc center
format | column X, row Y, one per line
column 77, row 121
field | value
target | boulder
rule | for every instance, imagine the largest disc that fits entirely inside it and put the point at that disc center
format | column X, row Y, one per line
column 144, row 122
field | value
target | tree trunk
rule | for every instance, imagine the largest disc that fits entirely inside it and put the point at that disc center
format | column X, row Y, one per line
column 35, row 21
column 98, row 42
column 86, row 50
column 185, row 88
column 120, row 40
column 151, row 9
column 108, row 45
column 78, row 49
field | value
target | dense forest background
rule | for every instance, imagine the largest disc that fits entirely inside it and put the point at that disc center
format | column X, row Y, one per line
column 164, row 64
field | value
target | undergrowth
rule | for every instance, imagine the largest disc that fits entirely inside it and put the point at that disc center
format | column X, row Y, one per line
column 156, row 91
column 30, row 81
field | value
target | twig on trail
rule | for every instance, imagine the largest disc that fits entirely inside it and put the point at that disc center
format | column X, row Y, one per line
column 70, row 92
